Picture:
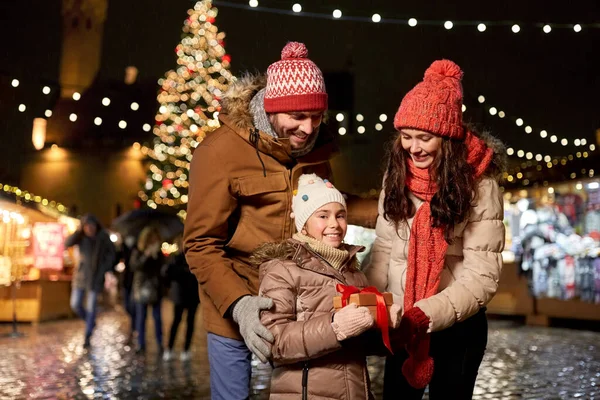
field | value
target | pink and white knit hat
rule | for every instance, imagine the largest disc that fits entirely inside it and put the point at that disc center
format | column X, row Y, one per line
column 294, row 83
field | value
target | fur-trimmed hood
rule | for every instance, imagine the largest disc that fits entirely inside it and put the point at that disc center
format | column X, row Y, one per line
column 292, row 249
column 236, row 101
column 272, row 251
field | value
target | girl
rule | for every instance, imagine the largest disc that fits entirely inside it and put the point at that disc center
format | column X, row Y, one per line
column 312, row 353
column 439, row 240
column 146, row 263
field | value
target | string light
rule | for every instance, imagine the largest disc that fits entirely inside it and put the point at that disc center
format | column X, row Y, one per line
column 376, row 18
column 26, row 196
column 481, row 99
column 297, row 8
column 339, row 117
column 383, row 117
column 106, row 101
column 480, row 25
column 378, row 127
column 46, row 90
column 98, row 121
column 22, row 107
column 14, row 82
column 337, row 14
column 135, row 106
column 448, row 25
column 464, row 108
column 146, row 127
column 48, row 113
column 122, row 124
column 342, row 131
column 76, row 96
column 361, row 129
column 360, row 117
column 528, row 129
column 547, row 28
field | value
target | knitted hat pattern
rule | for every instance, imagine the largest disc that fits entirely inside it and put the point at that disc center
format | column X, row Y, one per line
column 435, row 104
column 313, row 193
column 295, row 83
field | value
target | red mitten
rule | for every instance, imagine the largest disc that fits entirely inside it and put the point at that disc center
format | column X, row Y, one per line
column 414, row 323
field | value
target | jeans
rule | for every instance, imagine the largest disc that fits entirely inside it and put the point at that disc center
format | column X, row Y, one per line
column 191, row 320
column 87, row 313
column 129, row 305
column 230, row 368
column 141, row 314
column 457, row 353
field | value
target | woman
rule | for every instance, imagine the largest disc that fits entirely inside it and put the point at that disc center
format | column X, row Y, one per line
column 146, row 263
column 439, row 240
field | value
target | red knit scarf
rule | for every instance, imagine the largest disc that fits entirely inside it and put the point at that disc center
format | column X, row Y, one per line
column 427, row 246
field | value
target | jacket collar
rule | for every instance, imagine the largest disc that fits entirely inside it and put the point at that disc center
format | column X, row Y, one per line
column 260, row 140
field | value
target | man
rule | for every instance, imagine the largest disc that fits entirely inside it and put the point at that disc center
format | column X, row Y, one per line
column 241, row 185
column 97, row 257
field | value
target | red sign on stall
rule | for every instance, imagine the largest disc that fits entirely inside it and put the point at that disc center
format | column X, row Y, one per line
column 48, row 245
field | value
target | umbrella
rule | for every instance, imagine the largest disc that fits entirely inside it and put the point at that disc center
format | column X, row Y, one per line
column 132, row 222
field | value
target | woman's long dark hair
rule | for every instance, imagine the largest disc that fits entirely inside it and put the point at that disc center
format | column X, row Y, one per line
column 454, row 178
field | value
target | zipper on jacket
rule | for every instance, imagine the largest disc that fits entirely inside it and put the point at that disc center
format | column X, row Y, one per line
column 305, row 381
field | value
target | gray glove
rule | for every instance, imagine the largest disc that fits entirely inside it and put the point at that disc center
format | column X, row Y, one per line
column 246, row 313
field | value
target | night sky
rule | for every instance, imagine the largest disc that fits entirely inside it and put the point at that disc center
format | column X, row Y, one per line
column 552, row 81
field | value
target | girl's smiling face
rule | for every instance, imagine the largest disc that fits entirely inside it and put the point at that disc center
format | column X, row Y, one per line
column 328, row 224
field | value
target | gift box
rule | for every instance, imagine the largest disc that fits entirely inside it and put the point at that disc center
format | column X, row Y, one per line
column 368, row 300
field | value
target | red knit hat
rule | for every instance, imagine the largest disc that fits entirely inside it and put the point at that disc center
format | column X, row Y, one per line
column 294, row 83
column 435, row 105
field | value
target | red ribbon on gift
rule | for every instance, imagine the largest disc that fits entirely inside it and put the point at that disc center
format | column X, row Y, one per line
column 382, row 315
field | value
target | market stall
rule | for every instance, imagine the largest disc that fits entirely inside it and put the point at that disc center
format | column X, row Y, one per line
column 552, row 257
column 35, row 270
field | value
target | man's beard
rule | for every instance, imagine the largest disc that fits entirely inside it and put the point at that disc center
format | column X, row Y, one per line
column 297, row 152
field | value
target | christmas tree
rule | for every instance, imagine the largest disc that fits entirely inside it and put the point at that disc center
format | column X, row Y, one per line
column 189, row 106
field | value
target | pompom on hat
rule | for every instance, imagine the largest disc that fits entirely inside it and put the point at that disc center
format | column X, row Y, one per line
column 294, row 83
column 313, row 193
column 435, row 104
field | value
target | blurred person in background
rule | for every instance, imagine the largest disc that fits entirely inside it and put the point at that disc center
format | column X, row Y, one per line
column 127, row 283
column 146, row 262
column 184, row 294
column 97, row 257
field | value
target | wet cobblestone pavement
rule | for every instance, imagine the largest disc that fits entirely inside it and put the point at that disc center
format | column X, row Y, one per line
column 50, row 363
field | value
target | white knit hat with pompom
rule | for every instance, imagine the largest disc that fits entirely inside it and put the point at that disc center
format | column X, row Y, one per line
column 313, row 193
